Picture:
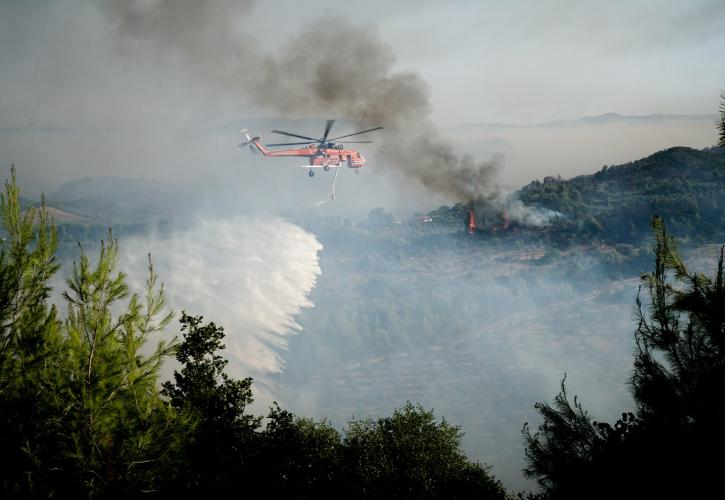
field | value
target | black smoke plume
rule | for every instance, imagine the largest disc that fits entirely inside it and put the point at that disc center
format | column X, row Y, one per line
column 331, row 68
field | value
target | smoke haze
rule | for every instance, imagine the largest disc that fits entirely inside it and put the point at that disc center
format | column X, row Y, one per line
column 479, row 331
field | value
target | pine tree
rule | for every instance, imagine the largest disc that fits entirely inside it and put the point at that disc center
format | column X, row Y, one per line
column 678, row 380
column 112, row 390
column 562, row 445
column 30, row 346
column 80, row 411
column 678, row 384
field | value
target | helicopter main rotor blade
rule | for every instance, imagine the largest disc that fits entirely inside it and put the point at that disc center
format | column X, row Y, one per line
column 288, row 144
column 356, row 133
column 328, row 126
column 295, row 135
column 319, row 145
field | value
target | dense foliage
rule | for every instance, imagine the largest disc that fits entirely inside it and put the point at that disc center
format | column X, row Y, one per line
column 670, row 447
column 82, row 413
column 683, row 185
column 613, row 206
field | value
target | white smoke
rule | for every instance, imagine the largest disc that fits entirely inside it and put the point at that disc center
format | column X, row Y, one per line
column 249, row 275
column 526, row 215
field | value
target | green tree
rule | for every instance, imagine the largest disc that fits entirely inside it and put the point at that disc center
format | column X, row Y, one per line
column 221, row 445
column 562, row 446
column 411, row 455
column 678, row 384
column 679, row 372
column 30, row 345
column 298, row 457
column 80, row 411
column 112, row 390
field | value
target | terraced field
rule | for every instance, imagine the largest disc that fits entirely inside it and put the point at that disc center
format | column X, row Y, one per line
column 479, row 337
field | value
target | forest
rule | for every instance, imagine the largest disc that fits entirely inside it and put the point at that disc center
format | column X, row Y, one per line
column 614, row 205
column 84, row 414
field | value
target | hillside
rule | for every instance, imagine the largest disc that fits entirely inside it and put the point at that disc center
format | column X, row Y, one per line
column 686, row 186
column 615, row 205
column 117, row 201
column 602, row 119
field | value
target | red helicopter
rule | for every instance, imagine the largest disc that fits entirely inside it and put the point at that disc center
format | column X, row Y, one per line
column 322, row 153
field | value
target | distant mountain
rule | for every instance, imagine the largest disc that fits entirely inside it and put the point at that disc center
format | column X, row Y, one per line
column 104, row 187
column 604, row 119
column 117, row 200
column 37, row 130
column 54, row 130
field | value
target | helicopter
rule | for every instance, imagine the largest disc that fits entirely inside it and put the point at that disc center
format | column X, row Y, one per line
column 322, row 153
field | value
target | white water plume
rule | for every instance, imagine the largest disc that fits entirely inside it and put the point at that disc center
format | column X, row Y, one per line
column 249, row 275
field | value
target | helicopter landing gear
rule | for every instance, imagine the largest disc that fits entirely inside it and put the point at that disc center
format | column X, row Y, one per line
column 311, row 173
column 327, row 168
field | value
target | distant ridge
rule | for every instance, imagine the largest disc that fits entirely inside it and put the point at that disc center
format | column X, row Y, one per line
column 54, row 130
column 604, row 119
column 118, row 200
column 105, row 187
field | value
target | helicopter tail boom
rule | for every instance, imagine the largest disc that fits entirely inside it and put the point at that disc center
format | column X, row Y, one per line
column 253, row 142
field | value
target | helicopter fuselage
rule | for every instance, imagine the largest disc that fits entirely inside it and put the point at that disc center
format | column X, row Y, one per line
column 330, row 157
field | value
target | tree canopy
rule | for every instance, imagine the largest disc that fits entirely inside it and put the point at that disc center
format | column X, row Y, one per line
column 669, row 446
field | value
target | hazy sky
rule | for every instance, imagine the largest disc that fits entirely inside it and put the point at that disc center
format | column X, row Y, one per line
column 141, row 112
column 524, row 61
column 532, row 61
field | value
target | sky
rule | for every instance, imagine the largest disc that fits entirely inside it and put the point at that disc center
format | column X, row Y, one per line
column 536, row 61
column 81, row 98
